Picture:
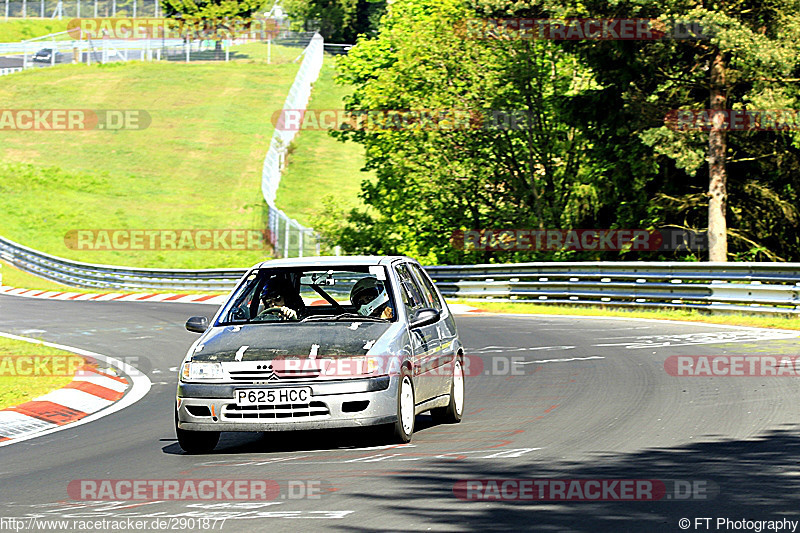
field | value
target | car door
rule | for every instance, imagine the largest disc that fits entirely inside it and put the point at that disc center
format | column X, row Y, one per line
column 443, row 358
column 424, row 340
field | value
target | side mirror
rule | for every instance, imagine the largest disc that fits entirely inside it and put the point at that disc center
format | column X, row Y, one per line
column 197, row 324
column 424, row 317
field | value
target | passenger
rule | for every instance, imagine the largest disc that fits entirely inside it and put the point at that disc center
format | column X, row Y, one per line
column 370, row 298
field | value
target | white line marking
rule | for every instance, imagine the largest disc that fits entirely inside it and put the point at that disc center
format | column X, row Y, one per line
column 531, row 349
column 626, row 319
column 558, row 360
column 13, row 424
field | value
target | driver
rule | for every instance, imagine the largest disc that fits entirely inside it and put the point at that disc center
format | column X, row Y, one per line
column 277, row 294
column 369, row 296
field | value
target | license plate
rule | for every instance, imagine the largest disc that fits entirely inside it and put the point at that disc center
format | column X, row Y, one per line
column 273, row 396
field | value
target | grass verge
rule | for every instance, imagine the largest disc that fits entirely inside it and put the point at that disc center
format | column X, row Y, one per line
column 14, row 277
column 675, row 314
column 196, row 166
column 14, row 30
column 17, row 385
column 318, row 164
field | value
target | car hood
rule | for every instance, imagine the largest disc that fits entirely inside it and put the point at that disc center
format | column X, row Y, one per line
column 278, row 341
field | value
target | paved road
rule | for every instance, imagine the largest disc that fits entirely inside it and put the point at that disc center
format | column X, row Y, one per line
column 608, row 410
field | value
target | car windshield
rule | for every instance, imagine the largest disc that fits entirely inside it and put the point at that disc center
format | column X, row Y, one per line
column 311, row 294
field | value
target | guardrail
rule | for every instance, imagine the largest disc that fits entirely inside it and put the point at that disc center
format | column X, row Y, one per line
column 743, row 287
column 93, row 276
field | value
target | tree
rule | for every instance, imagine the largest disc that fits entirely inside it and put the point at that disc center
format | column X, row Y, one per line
column 433, row 179
column 212, row 17
column 746, row 57
column 338, row 21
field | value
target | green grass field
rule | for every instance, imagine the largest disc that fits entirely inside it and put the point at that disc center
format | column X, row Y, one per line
column 319, row 165
column 197, row 166
column 19, row 388
column 781, row 322
column 13, row 30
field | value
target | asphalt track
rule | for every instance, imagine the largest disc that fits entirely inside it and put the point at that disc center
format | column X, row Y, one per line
column 607, row 410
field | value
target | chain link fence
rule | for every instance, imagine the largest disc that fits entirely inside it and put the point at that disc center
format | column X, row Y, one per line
column 289, row 237
column 81, row 8
column 63, row 48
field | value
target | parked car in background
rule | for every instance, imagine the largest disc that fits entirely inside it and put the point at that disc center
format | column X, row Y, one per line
column 45, row 55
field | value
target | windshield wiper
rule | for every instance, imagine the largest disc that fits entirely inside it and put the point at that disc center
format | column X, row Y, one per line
column 360, row 317
column 335, row 318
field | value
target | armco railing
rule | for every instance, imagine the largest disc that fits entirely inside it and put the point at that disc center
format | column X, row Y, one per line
column 745, row 287
column 88, row 275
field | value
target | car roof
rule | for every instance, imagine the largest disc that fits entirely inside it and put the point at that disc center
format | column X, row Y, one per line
column 334, row 260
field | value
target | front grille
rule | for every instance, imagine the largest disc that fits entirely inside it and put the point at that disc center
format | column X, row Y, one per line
column 280, row 411
column 254, row 376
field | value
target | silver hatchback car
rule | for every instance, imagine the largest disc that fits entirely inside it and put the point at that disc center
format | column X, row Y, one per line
column 324, row 342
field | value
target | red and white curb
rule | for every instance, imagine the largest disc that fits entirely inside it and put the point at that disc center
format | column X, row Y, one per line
column 214, row 299
column 91, row 395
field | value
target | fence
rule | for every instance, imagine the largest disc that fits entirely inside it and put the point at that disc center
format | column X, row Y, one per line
column 289, row 237
column 22, row 55
column 742, row 287
column 81, row 8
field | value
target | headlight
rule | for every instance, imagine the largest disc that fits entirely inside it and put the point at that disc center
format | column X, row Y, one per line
column 197, row 371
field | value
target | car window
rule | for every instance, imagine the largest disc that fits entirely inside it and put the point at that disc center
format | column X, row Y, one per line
column 310, row 294
column 409, row 291
column 428, row 290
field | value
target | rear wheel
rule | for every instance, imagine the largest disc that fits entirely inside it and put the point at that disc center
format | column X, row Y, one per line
column 403, row 428
column 455, row 410
column 196, row 441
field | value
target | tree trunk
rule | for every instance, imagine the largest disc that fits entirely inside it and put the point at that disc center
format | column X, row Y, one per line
column 717, row 175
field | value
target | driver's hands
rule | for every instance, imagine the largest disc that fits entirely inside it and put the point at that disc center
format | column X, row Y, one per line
column 288, row 313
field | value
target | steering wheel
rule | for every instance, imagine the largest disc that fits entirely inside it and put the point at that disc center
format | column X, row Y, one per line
column 272, row 310
column 239, row 314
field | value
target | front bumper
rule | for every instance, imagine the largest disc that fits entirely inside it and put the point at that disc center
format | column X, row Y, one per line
column 333, row 404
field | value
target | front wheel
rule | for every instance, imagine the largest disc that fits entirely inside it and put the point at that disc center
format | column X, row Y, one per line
column 455, row 410
column 196, row 441
column 403, row 428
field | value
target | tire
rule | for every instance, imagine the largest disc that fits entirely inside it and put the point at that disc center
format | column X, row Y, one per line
column 403, row 428
column 196, row 441
column 453, row 413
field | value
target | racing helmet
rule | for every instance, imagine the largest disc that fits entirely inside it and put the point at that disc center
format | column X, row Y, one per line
column 369, row 296
column 274, row 288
